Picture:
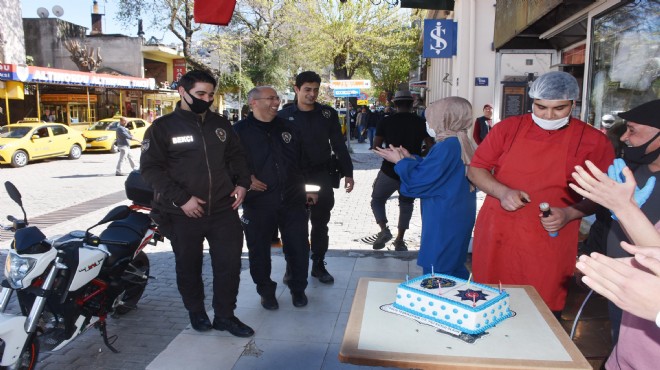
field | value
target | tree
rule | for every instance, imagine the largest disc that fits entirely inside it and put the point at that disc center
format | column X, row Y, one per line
column 351, row 35
column 176, row 15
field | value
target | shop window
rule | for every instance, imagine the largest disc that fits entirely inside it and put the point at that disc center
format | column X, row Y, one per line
column 625, row 54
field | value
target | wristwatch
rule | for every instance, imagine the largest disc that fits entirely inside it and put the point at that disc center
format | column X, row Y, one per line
column 657, row 320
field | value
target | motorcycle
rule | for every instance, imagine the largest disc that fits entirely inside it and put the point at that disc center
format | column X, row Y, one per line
column 67, row 284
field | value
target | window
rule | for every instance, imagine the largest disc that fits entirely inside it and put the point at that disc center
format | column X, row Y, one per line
column 625, row 55
column 58, row 130
column 42, row 132
column 139, row 123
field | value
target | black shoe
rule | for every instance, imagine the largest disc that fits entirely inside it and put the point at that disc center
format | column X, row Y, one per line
column 299, row 299
column 319, row 271
column 234, row 326
column 269, row 302
column 381, row 238
column 400, row 245
column 200, row 321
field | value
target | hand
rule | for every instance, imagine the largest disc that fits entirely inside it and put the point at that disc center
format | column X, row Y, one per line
column 513, row 199
column 618, row 172
column 555, row 221
column 390, row 154
column 239, row 192
column 623, row 282
column 605, row 190
column 257, row 185
column 312, row 199
column 193, row 207
column 348, row 184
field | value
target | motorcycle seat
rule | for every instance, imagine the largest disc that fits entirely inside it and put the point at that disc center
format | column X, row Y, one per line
column 128, row 231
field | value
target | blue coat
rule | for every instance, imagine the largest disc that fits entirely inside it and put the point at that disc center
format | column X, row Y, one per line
column 448, row 206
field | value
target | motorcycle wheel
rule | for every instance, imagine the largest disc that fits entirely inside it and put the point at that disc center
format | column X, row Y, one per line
column 28, row 358
column 134, row 291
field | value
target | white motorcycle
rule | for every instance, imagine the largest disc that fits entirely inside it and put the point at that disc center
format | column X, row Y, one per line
column 68, row 284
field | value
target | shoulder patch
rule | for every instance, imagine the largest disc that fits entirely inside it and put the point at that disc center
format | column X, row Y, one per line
column 326, row 113
column 221, row 133
column 145, row 145
column 286, row 136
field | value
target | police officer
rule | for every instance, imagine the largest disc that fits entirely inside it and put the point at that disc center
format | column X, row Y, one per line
column 276, row 196
column 186, row 157
column 321, row 136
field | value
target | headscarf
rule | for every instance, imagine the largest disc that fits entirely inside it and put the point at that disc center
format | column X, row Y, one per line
column 450, row 117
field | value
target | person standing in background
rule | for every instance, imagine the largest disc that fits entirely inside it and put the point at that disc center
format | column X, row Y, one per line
column 124, row 139
column 483, row 124
column 321, row 137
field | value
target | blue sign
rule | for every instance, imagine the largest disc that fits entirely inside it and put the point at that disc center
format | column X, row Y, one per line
column 481, row 81
column 439, row 38
column 346, row 93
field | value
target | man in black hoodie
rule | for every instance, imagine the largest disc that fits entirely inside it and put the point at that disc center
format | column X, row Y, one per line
column 276, row 196
column 190, row 158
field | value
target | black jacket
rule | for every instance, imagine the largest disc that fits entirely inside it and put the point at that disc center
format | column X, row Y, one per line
column 321, row 135
column 183, row 156
column 274, row 152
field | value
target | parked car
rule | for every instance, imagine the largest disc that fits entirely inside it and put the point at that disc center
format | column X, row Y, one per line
column 24, row 142
column 102, row 135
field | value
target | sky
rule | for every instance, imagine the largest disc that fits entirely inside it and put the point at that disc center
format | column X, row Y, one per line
column 79, row 12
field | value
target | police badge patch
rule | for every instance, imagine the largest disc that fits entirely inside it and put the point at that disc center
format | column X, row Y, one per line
column 286, row 136
column 222, row 134
column 326, row 113
column 145, row 145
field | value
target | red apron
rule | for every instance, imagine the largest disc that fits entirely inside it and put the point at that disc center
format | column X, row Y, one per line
column 513, row 247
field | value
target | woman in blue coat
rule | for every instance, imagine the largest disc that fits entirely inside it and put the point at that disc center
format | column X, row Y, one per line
column 448, row 200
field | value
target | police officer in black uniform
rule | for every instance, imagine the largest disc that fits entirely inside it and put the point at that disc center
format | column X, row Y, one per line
column 321, row 136
column 276, row 196
column 186, row 157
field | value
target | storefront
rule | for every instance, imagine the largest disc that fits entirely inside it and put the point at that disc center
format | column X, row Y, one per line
column 625, row 58
column 76, row 97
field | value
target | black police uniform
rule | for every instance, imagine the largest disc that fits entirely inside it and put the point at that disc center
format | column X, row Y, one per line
column 185, row 155
column 274, row 152
column 321, row 136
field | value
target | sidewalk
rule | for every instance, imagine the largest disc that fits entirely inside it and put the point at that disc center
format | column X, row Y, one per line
column 158, row 334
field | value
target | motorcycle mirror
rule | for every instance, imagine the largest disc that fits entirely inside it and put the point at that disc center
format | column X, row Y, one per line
column 13, row 192
column 15, row 195
column 117, row 213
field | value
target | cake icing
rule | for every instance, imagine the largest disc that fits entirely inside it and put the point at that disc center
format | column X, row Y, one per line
column 471, row 308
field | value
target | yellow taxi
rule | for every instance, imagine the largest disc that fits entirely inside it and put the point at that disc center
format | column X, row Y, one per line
column 102, row 135
column 24, row 142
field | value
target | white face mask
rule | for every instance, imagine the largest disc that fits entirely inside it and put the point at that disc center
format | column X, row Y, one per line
column 550, row 124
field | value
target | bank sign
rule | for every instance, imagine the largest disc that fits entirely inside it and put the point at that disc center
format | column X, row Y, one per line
column 30, row 74
column 439, row 38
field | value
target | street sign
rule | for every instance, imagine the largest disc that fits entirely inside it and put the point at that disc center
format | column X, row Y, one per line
column 347, row 93
column 350, row 84
column 481, row 81
column 363, row 102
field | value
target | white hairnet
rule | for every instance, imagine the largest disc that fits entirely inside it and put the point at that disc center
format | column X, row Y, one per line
column 555, row 86
column 607, row 121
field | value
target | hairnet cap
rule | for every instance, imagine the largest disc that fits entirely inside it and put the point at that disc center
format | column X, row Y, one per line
column 645, row 114
column 607, row 121
column 555, row 86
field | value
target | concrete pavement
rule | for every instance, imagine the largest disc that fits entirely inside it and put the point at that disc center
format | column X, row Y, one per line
column 158, row 336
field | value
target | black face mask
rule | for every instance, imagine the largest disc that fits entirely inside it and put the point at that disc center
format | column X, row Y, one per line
column 198, row 106
column 638, row 155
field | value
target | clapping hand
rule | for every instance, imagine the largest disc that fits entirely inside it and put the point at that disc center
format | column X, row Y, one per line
column 393, row 154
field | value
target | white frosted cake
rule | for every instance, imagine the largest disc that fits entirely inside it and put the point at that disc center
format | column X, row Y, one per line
column 471, row 308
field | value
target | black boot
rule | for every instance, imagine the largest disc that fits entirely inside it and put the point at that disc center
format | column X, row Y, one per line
column 319, row 271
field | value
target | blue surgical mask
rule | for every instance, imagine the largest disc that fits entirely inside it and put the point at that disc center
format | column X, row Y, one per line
column 550, row 124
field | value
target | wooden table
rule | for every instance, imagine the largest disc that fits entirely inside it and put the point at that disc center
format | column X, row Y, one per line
column 533, row 339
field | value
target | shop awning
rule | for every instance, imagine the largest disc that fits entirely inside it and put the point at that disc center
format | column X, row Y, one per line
column 31, row 74
column 527, row 24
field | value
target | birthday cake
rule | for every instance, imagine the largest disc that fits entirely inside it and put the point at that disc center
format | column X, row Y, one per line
column 466, row 306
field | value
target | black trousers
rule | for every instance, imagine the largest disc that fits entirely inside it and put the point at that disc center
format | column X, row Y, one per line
column 225, row 238
column 319, row 214
column 258, row 223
